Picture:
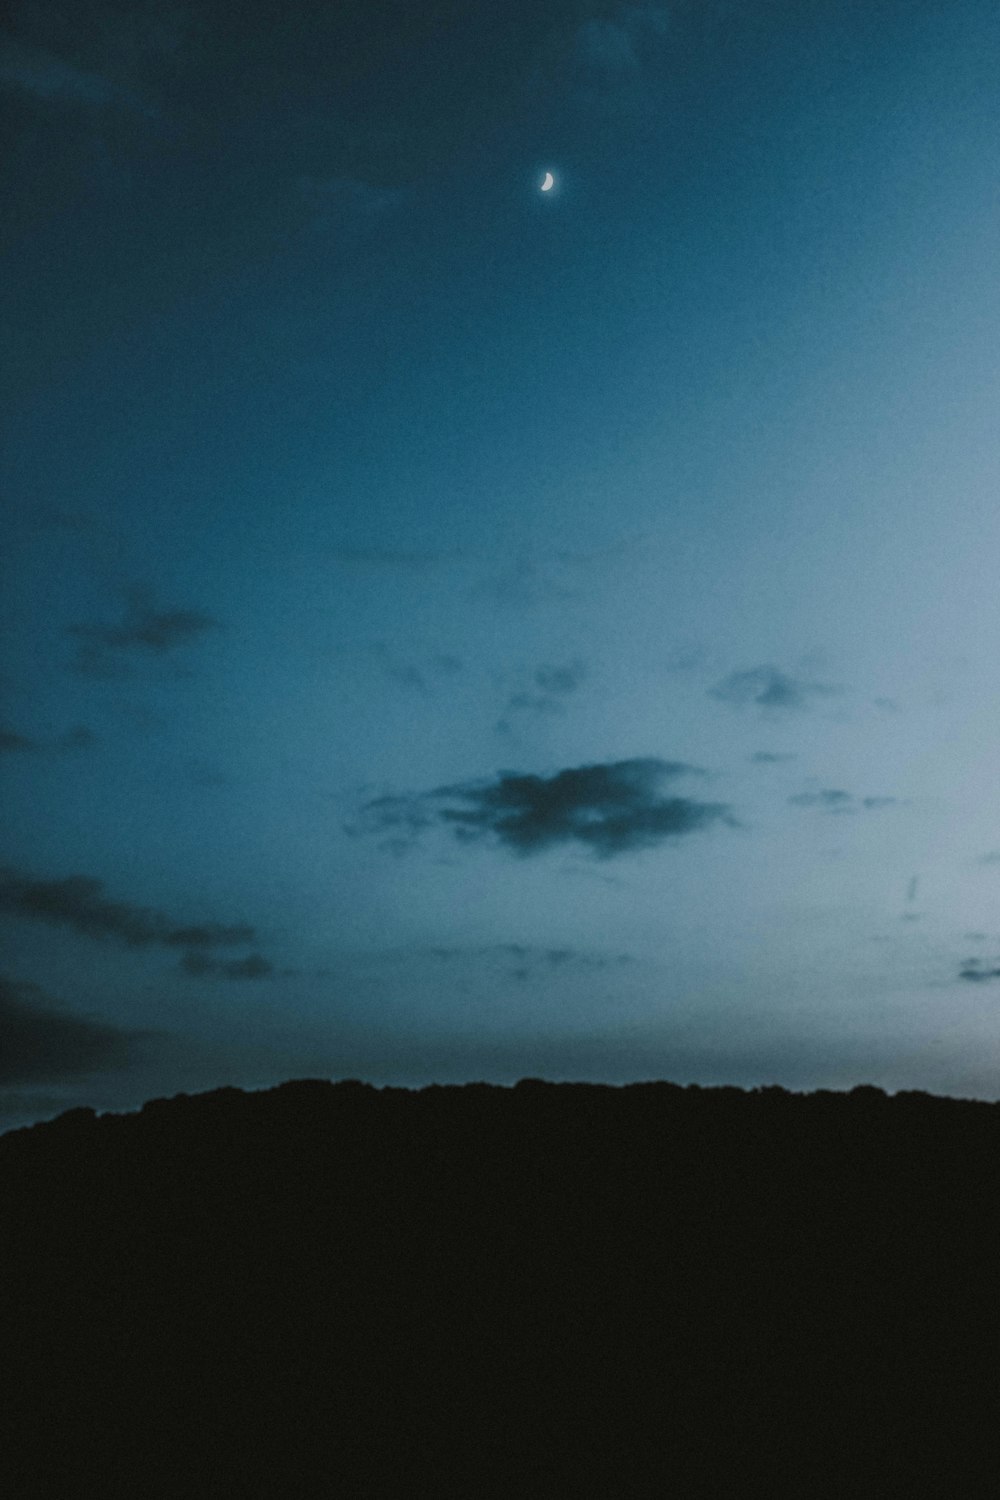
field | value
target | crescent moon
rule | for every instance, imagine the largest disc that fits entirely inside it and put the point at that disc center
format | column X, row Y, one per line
column 547, row 182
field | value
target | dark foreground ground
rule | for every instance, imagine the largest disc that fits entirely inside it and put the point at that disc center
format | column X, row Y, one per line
column 550, row 1290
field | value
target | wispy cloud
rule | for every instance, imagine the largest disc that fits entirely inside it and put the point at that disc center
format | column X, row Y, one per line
column 558, row 682
column 144, row 630
column 421, row 674
column 609, row 809
column 770, row 688
column 832, row 799
column 770, row 758
column 39, row 1042
column 53, row 80
column 523, row 961
column 546, row 692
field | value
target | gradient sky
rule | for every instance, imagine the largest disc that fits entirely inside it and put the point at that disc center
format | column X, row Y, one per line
column 451, row 631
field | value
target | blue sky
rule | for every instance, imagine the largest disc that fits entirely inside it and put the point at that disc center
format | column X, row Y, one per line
column 452, row 631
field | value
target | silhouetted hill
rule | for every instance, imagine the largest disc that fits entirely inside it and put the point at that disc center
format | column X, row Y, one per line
column 552, row 1289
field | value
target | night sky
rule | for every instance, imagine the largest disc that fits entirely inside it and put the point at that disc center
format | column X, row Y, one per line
column 456, row 631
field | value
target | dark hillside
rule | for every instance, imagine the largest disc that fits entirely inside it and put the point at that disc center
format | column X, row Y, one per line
column 552, row 1289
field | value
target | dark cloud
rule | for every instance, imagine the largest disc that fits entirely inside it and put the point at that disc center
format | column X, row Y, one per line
column 769, row 688
column 973, row 969
column 104, row 649
column 609, row 809
column 78, row 902
column 38, row 1042
column 770, row 758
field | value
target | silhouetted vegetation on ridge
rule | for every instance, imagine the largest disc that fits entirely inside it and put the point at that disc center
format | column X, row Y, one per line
column 331, row 1289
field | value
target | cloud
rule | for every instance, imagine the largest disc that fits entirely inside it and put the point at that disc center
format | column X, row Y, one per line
column 830, row 799
column 834, row 800
column 557, row 682
column 531, row 962
column 992, row 858
column 610, row 809
column 406, row 672
column 38, row 1042
column 770, row 758
column 144, row 629
column 769, row 688
column 77, row 902
column 972, row 969
column 550, row 686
